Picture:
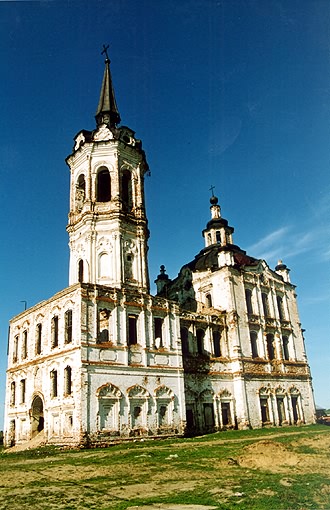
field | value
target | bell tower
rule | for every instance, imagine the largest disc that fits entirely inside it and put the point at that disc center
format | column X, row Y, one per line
column 108, row 230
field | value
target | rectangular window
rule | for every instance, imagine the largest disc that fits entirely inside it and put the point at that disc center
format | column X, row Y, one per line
column 216, row 343
column 280, row 308
column 68, row 326
column 208, row 415
column 286, row 353
column 38, row 338
column 265, row 304
column 24, row 345
column 225, row 413
column 264, row 410
column 218, row 237
column 158, row 331
column 54, row 331
column 22, row 388
column 280, row 410
column 254, row 344
column 53, row 383
column 200, row 341
column 132, row 330
column 248, row 300
column 184, row 341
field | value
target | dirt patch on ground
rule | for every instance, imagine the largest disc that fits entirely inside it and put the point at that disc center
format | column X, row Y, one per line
column 269, row 455
column 280, row 458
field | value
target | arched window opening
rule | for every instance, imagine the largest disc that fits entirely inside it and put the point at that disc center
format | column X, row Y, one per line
column 54, row 331
column 53, row 383
column 12, row 393
column 24, row 345
column 81, row 183
column 208, row 298
column 80, row 191
column 80, row 271
column 158, row 332
column 254, row 344
column 103, row 319
column 218, row 237
column 22, row 390
column 248, row 300
column 132, row 330
column 270, row 346
column 280, row 308
column 103, row 186
column 216, row 343
column 15, row 349
column 67, row 381
column 286, row 353
column 38, row 339
column 37, row 415
column 104, row 265
column 68, row 326
column 200, row 341
column 126, row 190
column 184, row 341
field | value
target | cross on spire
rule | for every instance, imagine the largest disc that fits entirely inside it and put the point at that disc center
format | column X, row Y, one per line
column 105, row 51
column 211, row 189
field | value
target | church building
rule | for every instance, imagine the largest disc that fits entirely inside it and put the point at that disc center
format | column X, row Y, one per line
column 220, row 346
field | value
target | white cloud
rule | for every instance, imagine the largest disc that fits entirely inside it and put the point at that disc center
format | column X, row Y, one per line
column 288, row 242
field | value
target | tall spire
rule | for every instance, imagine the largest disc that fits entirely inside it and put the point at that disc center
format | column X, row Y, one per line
column 107, row 111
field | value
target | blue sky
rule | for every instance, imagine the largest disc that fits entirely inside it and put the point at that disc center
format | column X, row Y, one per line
column 234, row 94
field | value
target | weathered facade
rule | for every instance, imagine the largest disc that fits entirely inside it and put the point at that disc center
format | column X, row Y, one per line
column 220, row 346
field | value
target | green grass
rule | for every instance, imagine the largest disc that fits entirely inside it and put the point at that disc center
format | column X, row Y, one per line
column 183, row 471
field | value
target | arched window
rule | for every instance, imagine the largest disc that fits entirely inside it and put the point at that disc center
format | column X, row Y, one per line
column 80, row 191
column 67, row 380
column 104, row 265
column 80, row 271
column 38, row 339
column 12, row 393
column 126, row 190
column 54, row 331
column 254, row 344
column 53, row 383
column 103, row 185
column 208, row 298
column 68, row 326
column 81, row 183
column 24, row 345
column 22, row 390
column 270, row 346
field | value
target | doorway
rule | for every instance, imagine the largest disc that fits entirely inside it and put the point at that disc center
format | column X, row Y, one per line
column 37, row 416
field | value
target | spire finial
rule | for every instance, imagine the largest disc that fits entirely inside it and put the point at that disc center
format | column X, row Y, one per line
column 107, row 111
column 105, row 52
column 211, row 189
